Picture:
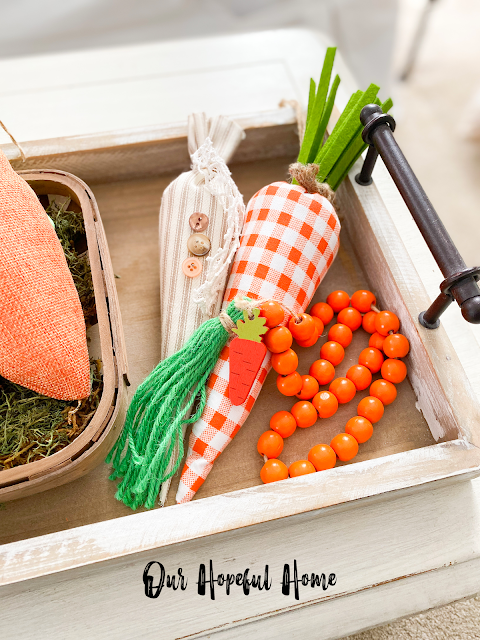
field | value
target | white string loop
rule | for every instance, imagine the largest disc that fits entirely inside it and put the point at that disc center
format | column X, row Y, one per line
column 17, row 144
column 219, row 183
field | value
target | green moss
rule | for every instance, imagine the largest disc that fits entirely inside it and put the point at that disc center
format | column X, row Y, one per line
column 71, row 233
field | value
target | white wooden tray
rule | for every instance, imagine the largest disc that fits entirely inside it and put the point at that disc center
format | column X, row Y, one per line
column 392, row 527
column 403, row 460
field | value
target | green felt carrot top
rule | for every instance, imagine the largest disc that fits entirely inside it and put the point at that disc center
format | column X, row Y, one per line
column 336, row 155
column 251, row 328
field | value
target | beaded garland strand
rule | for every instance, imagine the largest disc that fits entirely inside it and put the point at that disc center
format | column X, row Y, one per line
column 306, row 329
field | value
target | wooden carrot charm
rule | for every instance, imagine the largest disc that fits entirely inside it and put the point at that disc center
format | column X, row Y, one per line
column 247, row 352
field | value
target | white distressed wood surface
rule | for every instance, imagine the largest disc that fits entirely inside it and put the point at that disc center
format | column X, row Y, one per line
column 383, row 554
column 392, row 558
column 90, row 92
column 65, row 550
column 147, row 151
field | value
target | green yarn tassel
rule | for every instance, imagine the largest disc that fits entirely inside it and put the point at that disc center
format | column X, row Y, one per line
column 161, row 405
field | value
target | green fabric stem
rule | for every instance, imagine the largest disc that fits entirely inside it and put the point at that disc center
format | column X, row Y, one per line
column 341, row 137
column 316, row 110
column 152, row 433
column 322, row 127
column 387, row 105
column 311, row 100
column 346, row 161
column 354, row 98
column 343, row 147
column 352, row 152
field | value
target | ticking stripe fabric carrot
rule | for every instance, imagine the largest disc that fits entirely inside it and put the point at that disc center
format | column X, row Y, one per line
column 289, row 240
column 208, row 189
column 195, row 191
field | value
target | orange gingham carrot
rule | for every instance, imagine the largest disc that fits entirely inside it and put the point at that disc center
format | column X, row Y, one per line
column 289, row 240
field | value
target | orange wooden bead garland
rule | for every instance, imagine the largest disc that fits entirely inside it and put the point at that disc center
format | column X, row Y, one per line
column 323, row 311
column 310, row 388
column 315, row 403
column 325, row 403
column 360, row 376
column 351, row 317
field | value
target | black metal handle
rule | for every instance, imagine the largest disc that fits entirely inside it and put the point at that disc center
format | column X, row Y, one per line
column 460, row 283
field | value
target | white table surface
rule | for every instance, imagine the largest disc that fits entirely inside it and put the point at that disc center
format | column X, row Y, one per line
column 395, row 558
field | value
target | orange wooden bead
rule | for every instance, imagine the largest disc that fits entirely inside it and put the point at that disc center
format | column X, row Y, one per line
column 370, row 408
column 362, row 300
column 368, row 321
column 325, row 403
column 340, row 333
column 396, row 346
column 371, row 358
column 303, row 329
column 376, row 340
column 289, row 385
column 394, row 371
column 319, row 324
column 278, row 339
column 283, row 423
column 360, row 428
column 285, row 362
column 323, row 371
column 322, row 457
column 309, row 388
column 351, row 317
column 385, row 322
column 384, row 390
column 304, row 413
column 360, row 376
column 273, row 312
column 300, row 468
column 345, row 446
column 338, row 300
column 270, row 444
column 343, row 389
column 323, row 311
column 333, row 352
column 273, row 470
column 311, row 341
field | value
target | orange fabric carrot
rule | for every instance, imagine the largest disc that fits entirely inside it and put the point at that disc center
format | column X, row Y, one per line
column 247, row 352
column 43, row 343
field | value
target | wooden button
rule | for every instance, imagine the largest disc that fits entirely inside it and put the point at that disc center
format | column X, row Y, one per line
column 198, row 221
column 192, row 267
column 198, row 244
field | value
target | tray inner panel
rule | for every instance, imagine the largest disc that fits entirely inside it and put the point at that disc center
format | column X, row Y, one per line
column 130, row 214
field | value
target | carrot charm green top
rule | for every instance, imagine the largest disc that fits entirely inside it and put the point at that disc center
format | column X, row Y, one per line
column 251, row 328
column 247, row 352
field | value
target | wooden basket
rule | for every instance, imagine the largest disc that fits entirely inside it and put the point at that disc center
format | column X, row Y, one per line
column 93, row 444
